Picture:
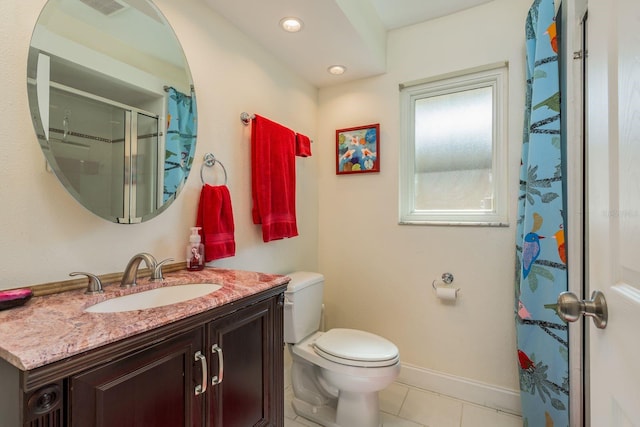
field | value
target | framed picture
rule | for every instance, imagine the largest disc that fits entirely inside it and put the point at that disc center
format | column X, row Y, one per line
column 358, row 149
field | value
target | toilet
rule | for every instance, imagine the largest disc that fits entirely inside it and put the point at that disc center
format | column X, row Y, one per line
column 335, row 375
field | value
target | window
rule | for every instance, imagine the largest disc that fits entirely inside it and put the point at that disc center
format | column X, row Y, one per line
column 453, row 149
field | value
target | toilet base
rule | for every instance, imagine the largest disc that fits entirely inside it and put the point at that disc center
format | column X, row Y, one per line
column 324, row 415
column 358, row 409
column 352, row 410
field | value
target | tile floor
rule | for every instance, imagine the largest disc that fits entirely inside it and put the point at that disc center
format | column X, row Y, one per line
column 405, row 406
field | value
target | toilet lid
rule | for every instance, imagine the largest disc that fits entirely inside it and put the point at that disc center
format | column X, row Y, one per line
column 356, row 348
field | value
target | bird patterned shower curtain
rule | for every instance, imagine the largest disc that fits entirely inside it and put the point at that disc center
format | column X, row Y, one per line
column 180, row 142
column 541, row 258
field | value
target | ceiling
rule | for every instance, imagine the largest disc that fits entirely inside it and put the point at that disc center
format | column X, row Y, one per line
column 346, row 32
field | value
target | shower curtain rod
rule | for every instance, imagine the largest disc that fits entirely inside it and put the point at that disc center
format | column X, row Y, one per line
column 166, row 89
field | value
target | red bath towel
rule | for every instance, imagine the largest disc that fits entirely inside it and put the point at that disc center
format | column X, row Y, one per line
column 273, row 179
column 303, row 145
column 215, row 216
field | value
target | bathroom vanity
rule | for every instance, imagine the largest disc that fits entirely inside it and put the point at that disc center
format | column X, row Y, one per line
column 210, row 361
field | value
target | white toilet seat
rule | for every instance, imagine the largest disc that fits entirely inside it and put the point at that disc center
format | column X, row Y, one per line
column 356, row 348
column 306, row 349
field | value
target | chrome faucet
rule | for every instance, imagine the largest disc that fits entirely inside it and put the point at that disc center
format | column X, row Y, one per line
column 131, row 272
column 156, row 273
column 95, row 285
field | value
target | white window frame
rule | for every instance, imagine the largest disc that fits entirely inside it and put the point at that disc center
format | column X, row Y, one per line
column 494, row 76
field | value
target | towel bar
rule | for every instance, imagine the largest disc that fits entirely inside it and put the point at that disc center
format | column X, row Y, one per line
column 209, row 161
column 246, row 118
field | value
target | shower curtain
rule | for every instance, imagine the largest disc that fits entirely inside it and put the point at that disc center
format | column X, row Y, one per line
column 541, row 258
column 180, row 142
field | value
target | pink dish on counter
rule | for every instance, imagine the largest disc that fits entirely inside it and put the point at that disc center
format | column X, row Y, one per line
column 14, row 298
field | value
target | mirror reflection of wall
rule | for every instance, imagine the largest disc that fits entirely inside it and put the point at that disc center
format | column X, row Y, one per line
column 98, row 79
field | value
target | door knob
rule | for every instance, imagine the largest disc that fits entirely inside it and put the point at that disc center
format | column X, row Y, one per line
column 570, row 308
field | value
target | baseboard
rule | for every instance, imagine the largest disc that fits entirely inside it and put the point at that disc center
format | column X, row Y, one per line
column 491, row 396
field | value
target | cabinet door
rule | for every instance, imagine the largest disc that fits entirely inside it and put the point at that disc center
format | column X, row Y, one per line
column 249, row 361
column 154, row 386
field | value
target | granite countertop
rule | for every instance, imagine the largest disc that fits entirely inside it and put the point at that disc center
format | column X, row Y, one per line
column 53, row 327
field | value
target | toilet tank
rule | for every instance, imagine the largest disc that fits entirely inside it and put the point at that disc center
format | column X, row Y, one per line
column 303, row 305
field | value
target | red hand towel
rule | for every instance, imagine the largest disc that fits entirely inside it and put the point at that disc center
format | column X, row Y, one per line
column 273, row 179
column 303, row 145
column 215, row 216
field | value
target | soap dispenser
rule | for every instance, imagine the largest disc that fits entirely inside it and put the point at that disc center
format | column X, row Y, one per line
column 195, row 251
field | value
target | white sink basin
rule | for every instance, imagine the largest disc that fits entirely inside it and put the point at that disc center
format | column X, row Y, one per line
column 154, row 298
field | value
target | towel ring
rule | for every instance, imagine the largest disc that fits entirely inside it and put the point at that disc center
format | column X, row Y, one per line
column 209, row 161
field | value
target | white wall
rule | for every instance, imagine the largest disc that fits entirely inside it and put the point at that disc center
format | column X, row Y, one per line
column 378, row 273
column 46, row 234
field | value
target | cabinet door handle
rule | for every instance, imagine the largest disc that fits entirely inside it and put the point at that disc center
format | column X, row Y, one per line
column 202, row 387
column 217, row 379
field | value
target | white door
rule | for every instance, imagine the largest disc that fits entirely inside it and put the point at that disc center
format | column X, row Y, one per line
column 613, row 210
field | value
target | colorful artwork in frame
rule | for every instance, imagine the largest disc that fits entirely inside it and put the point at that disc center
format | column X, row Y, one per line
column 358, row 149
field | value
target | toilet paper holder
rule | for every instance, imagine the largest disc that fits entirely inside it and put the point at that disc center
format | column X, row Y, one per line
column 447, row 278
column 445, row 292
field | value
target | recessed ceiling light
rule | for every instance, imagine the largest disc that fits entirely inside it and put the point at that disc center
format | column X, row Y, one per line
column 291, row 24
column 336, row 70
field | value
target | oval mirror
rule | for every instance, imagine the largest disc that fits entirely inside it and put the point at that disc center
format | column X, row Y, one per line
column 113, row 106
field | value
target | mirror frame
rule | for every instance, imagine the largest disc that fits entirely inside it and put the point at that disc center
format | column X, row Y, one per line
column 114, row 88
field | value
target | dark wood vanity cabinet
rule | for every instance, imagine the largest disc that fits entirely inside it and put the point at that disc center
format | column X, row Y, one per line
column 219, row 368
column 246, row 391
column 150, row 387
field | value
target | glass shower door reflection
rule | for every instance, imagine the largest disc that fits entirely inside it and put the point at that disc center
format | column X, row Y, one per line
column 87, row 144
column 147, row 178
column 106, row 154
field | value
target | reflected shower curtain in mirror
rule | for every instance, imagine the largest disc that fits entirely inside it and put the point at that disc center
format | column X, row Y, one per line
column 180, row 142
column 541, row 262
